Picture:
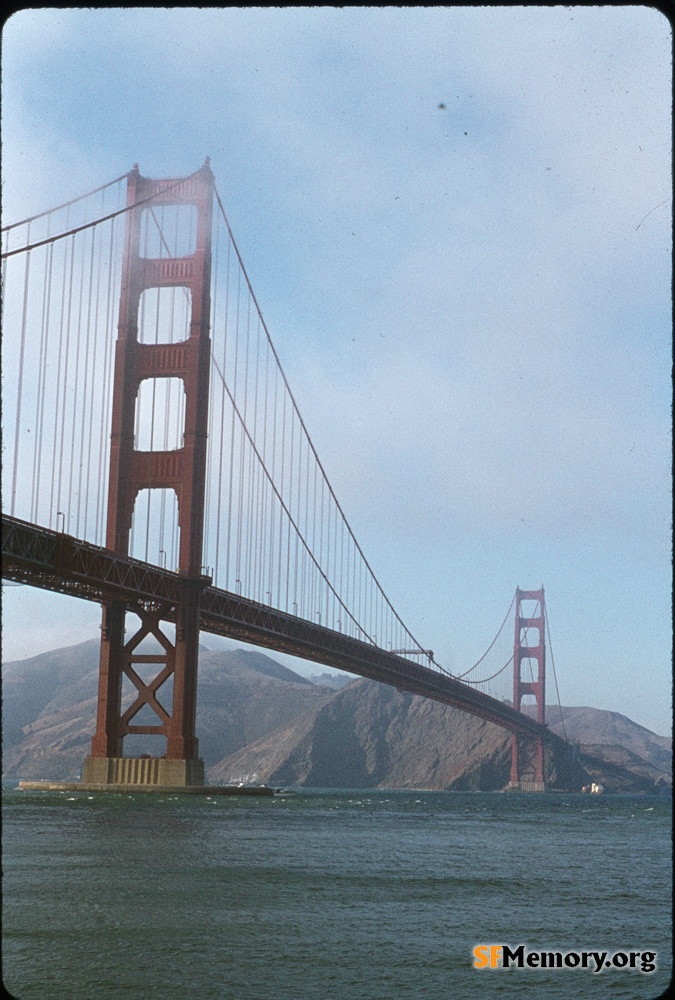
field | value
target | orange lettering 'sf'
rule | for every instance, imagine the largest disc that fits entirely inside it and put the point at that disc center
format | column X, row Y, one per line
column 487, row 956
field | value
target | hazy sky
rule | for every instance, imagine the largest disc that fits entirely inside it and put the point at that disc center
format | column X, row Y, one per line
column 457, row 222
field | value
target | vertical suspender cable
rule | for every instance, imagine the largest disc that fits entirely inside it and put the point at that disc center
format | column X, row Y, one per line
column 86, row 374
column 306, row 583
column 255, row 481
column 297, row 516
column 19, row 389
column 281, row 491
column 232, row 436
column 247, row 468
column 52, row 498
column 76, row 384
column 94, row 358
column 42, row 389
column 289, row 502
column 53, row 502
column 266, row 516
column 273, row 519
column 222, row 412
column 99, row 521
column 65, row 376
column 241, row 533
column 211, row 468
column 315, row 580
column 76, row 380
column 252, row 491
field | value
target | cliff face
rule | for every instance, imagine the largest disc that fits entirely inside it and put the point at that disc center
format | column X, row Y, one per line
column 370, row 735
column 258, row 718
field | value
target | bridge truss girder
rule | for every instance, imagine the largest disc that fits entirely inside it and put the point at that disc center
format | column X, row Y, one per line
column 54, row 561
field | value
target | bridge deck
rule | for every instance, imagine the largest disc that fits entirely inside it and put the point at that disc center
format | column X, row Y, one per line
column 55, row 561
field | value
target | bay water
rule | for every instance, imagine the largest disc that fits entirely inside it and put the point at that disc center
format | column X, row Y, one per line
column 330, row 895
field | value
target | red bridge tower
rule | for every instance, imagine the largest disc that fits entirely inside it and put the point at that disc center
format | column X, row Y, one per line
column 529, row 661
column 182, row 470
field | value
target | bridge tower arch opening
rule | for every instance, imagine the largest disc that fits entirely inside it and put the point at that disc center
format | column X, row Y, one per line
column 156, row 269
column 529, row 682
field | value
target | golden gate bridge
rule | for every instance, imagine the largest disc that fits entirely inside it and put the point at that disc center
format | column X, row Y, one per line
column 156, row 462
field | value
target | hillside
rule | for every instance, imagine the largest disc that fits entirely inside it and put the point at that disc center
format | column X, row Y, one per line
column 257, row 717
column 591, row 727
column 370, row 735
column 49, row 707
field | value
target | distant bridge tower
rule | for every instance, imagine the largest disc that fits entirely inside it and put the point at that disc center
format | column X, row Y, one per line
column 529, row 674
column 182, row 470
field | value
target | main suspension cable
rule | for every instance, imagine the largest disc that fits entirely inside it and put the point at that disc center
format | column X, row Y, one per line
column 484, row 680
column 459, row 677
column 304, row 428
column 95, row 222
column 57, row 208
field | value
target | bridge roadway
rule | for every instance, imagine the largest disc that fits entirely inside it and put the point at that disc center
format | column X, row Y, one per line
column 51, row 560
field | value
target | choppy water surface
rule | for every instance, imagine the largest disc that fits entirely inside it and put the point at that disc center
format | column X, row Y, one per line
column 329, row 895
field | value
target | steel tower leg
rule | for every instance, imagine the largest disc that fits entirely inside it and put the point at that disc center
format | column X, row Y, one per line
column 132, row 470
